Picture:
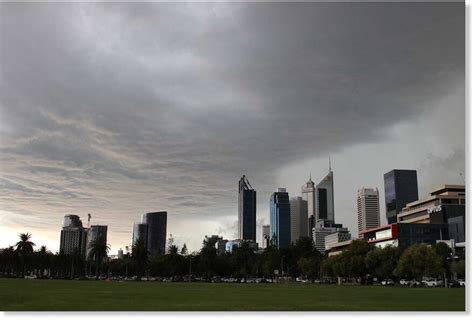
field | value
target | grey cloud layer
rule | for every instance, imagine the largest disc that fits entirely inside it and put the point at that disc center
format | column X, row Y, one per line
column 128, row 107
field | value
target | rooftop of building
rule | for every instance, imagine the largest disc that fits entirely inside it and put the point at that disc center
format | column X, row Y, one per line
column 447, row 191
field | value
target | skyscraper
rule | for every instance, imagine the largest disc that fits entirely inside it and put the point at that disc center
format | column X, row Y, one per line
column 280, row 218
column 265, row 236
column 156, row 232
column 247, row 210
column 368, row 209
column 93, row 233
column 308, row 193
column 140, row 232
column 325, row 198
column 299, row 218
column 401, row 187
column 73, row 235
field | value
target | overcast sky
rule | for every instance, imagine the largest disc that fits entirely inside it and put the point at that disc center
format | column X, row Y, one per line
column 121, row 109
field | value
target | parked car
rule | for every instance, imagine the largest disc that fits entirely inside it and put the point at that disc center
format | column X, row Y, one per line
column 429, row 283
column 405, row 282
column 387, row 282
column 415, row 283
column 454, row 284
column 462, row 282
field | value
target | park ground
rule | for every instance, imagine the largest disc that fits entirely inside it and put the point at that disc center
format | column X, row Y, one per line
column 64, row 295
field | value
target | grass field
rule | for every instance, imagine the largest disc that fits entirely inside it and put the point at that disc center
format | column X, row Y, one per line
column 59, row 295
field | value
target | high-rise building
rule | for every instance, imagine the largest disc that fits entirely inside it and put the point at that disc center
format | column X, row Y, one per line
column 93, row 233
column 280, row 219
column 247, row 210
column 325, row 198
column 308, row 193
column 299, row 218
column 368, row 209
column 73, row 235
column 156, row 233
column 265, row 236
column 140, row 232
column 401, row 187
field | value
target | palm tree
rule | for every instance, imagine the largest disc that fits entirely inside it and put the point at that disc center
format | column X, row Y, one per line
column 140, row 256
column 24, row 247
column 98, row 251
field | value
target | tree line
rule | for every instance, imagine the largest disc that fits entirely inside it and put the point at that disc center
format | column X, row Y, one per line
column 360, row 262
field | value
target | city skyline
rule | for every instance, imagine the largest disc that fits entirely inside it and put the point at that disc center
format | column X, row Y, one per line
column 100, row 119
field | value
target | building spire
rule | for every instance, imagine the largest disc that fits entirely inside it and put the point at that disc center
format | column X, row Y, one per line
column 310, row 176
column 329, row 163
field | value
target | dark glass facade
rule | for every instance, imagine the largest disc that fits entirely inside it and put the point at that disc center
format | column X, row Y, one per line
column 454, row 215
column 247, row 211
column 280, row 225
column 412, row 233
column 322, row 203
column 401, row 187
column 140, row 232
column 156, row 235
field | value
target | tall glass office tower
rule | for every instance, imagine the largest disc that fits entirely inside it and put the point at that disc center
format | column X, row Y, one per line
column 156, row 233
column 247, row 210
column 401, row 187
column 325, row 198
column 280, row 226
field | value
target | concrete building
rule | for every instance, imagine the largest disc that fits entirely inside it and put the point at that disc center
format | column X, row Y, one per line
column 338, row 248
column 401, row 187
column 247, row 220
column 368, row 209
column 93, row 233
column 444, row 205
column 73, row 236
column 308, row 193
column 280, row 223
column 221, row 246
column 404, row 235
column 333, row 239
column 231, row 245
column 321, row 230
column 325, row 198
column 298, row 218
column 156, row 232
column 212, row 239
column 266, row 236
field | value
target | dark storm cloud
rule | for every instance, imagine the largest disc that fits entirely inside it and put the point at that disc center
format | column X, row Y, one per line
column 131, row 102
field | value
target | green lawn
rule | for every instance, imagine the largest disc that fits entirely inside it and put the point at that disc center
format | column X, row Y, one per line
column 59, row 295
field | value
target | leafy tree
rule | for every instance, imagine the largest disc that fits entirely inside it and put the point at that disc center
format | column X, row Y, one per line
column 444, row 252
column 98, row 251
column 244, row 258
column 382, row 262
column 459, row 267
column 140, row 257
column 208, row 256
column 25, row 248
column 417, row 261
column 9, row 260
